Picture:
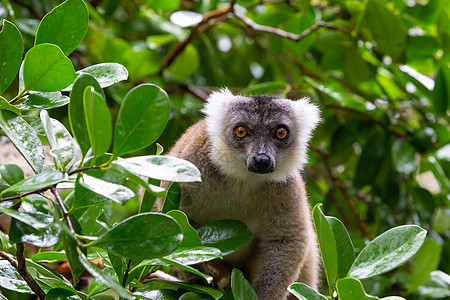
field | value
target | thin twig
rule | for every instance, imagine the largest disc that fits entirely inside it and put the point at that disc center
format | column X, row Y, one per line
column 285, row 34
column 125, row 276
column 15, row 99
column 21, row 267
column 66, row 215
column 85, row 169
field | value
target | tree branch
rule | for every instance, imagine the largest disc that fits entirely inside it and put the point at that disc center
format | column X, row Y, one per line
column 285, row 34
column 21, row 267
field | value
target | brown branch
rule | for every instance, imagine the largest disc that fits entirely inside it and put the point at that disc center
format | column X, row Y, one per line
column 199, row 28
column 66, row 215
column 21, row 267
column 343, row 190
column 366, row 116
column 285, row 34
column 15, row 99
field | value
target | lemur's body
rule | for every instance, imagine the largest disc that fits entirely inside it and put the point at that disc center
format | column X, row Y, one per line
column 250, row 151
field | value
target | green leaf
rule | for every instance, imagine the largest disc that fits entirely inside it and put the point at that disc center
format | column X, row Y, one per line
column 40, row 101
column 426, row 261
column 70, row 247
column 386, row 28
column 20, row 232
column 388, row 251
column 344, row 246
column 161, row 167
column 62, row 148
column 370, row 160
column 97, row 286
column 149, row 188
column 142, row 236
column 172, row 199
column 190, row 235
column 24, row 139
column 115, row 192
column 11, row 50
column 437, row 287
column 47, row 278
column 11, row 280
column 352, row 289
column 98, row 121
column 37, row 221
column 242, row 290
column 61, row 294
column 106, row 74
column 4, row 104
column 176, row 264
column 227, row 235
column 159, row 284
column 47, row 69
column 441, row 92
column 37, row 182
column 184, row 64
column 327, row 244
column 49, row 256
column 104, row 278
column 142, row 118
column 11, row 173
column 264, row 88
column 194, row 255
column 403, row 158
column 76, row 110
column 66, row 25
column 304, row 292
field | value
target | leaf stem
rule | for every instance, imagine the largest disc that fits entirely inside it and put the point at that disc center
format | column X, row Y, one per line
column 20, row 95
column 127, row 272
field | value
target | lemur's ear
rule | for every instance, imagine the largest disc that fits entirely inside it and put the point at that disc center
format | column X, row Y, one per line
column 307, row 116
column 217, row 102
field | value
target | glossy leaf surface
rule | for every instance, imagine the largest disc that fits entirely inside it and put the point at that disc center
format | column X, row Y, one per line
column 24, row 139
column 106, row 74
column 21, row 232
column 11, row 280
column 242, row 290
column 43, row 100
column 142, row 118
column 47, row 69
column 388, row 251
column 11, row 173
column 98, row 121
column 352, row 289
column 117, row 193
column 190, row 235
column 77, row 117
column 304, row 292
column 227, row 235
column 344, row 246
column 65, row 26
column 161, row 167
column 142, row 236
column 11, row 50
column 38, row 181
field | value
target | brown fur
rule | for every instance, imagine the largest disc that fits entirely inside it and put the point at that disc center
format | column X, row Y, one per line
column 284, row 247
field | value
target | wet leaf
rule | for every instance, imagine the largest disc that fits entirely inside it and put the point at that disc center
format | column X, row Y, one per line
column 37, row 221
column 172, row 199
column 226, row 235
column 344, row 246
column 106, row 74
column 43, row 100
column 142, row 118
column 77, row 118
column 48, row 256
column 242, row 290
column 352, row 289
column 190, row 235
column 327, row 244
column 61, row 294
column 20, row 232
column 142, row 236
column 38, row 182
column 11, row 50
column 65, row 26
column 11, row 280
column 117, row 193
column 11, row 173
column 388, row 251
column 24, row 139
column 161, row 167
column 4, row 104
column 304, row 292
column 47, row 69
column 98, row 121
column 159, row 284
column 62, row 148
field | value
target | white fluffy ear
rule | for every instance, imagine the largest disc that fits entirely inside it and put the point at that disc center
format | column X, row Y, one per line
column 307, row 115
column 217, row 103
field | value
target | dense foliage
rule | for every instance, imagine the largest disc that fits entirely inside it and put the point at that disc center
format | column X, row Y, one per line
column 379, row 162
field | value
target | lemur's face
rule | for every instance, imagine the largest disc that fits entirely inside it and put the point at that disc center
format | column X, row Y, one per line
column 262, row 131
column 259, row 138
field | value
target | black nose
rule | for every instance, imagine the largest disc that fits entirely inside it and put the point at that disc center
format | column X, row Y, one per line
column 262, row 162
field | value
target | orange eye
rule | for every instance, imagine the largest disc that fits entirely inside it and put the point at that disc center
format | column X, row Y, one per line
column 281, row 133
column 240, row 132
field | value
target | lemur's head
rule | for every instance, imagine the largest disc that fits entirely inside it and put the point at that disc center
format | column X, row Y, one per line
column 262, row 138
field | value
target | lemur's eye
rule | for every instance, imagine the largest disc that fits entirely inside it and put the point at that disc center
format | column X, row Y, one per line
column 281, row 133
column 240, row 132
